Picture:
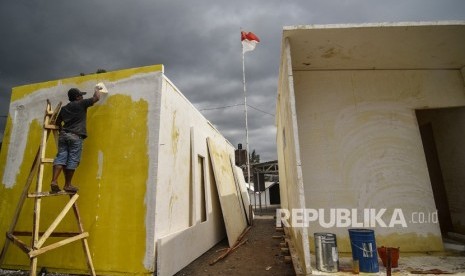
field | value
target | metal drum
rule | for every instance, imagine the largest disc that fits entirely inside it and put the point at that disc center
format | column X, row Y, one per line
column 327, row 258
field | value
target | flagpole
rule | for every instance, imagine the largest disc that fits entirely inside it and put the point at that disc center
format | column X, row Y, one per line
column 246, row 120
column 250, row 40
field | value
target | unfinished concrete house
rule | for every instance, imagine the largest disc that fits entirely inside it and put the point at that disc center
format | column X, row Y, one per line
column 153, row 175
column 372, row 117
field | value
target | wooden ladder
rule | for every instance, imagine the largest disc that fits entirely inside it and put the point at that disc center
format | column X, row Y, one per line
column 39, row 238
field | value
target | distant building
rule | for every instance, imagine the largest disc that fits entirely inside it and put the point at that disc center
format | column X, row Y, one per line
column 240, row 156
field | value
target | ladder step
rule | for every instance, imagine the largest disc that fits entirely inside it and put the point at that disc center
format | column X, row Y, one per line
column 37, row 252
column 46, row 194
column 51, row 126
column 54, row 234
column 47, row 160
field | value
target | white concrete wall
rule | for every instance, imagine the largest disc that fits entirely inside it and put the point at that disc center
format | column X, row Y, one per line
column 174, row 169
column 258, row 198
column 361, row 147
column 179, row 226
column 290, row 170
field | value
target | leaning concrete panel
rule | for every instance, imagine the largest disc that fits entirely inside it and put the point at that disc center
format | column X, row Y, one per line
column 231, row 204
column 240, row 180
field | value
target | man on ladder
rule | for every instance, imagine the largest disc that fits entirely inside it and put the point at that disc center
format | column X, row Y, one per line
column 71, row 137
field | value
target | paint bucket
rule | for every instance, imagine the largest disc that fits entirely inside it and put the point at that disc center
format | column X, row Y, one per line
column 327, row 259
column 363, row 246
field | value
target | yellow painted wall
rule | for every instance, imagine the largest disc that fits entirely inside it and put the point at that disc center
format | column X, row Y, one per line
column 113, row 176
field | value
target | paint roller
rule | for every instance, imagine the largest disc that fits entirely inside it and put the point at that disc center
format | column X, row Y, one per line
column 101, row 87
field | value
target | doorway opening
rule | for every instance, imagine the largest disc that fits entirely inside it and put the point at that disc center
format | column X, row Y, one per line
column 443, row 135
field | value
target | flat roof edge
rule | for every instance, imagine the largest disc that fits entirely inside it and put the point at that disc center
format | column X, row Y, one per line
column 380, row 24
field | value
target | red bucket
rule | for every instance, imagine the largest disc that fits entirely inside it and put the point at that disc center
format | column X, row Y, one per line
column 383, row 251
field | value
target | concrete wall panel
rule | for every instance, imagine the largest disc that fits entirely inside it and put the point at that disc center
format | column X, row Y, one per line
column 245, row 198
column 178, row 249
column 290, row 176
column 349, row 97
column 231, row 204
column 361, row 147
column 111, row 192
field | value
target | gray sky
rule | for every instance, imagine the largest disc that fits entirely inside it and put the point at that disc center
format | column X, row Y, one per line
column 197, row 41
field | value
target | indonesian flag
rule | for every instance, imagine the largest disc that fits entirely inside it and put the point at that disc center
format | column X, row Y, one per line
column 249, row 41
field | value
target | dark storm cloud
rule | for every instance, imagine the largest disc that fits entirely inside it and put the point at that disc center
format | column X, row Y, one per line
column 197, row 41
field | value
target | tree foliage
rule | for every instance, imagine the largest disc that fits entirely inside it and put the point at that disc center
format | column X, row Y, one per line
column 254, row 158
column 99, row 71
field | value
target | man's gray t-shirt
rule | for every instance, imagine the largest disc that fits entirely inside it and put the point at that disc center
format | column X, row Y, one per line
column 74, row 116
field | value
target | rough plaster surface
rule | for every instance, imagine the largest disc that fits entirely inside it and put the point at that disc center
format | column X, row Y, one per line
column 356, row 129
column 121, row 119
column 361, row 145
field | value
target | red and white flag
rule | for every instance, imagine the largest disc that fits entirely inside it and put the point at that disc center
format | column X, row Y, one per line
column 249, row 41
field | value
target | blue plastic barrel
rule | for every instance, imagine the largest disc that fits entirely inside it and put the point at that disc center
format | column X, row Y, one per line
column 363, row 246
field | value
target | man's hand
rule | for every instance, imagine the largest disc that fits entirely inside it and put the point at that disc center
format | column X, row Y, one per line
column 96, row 96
